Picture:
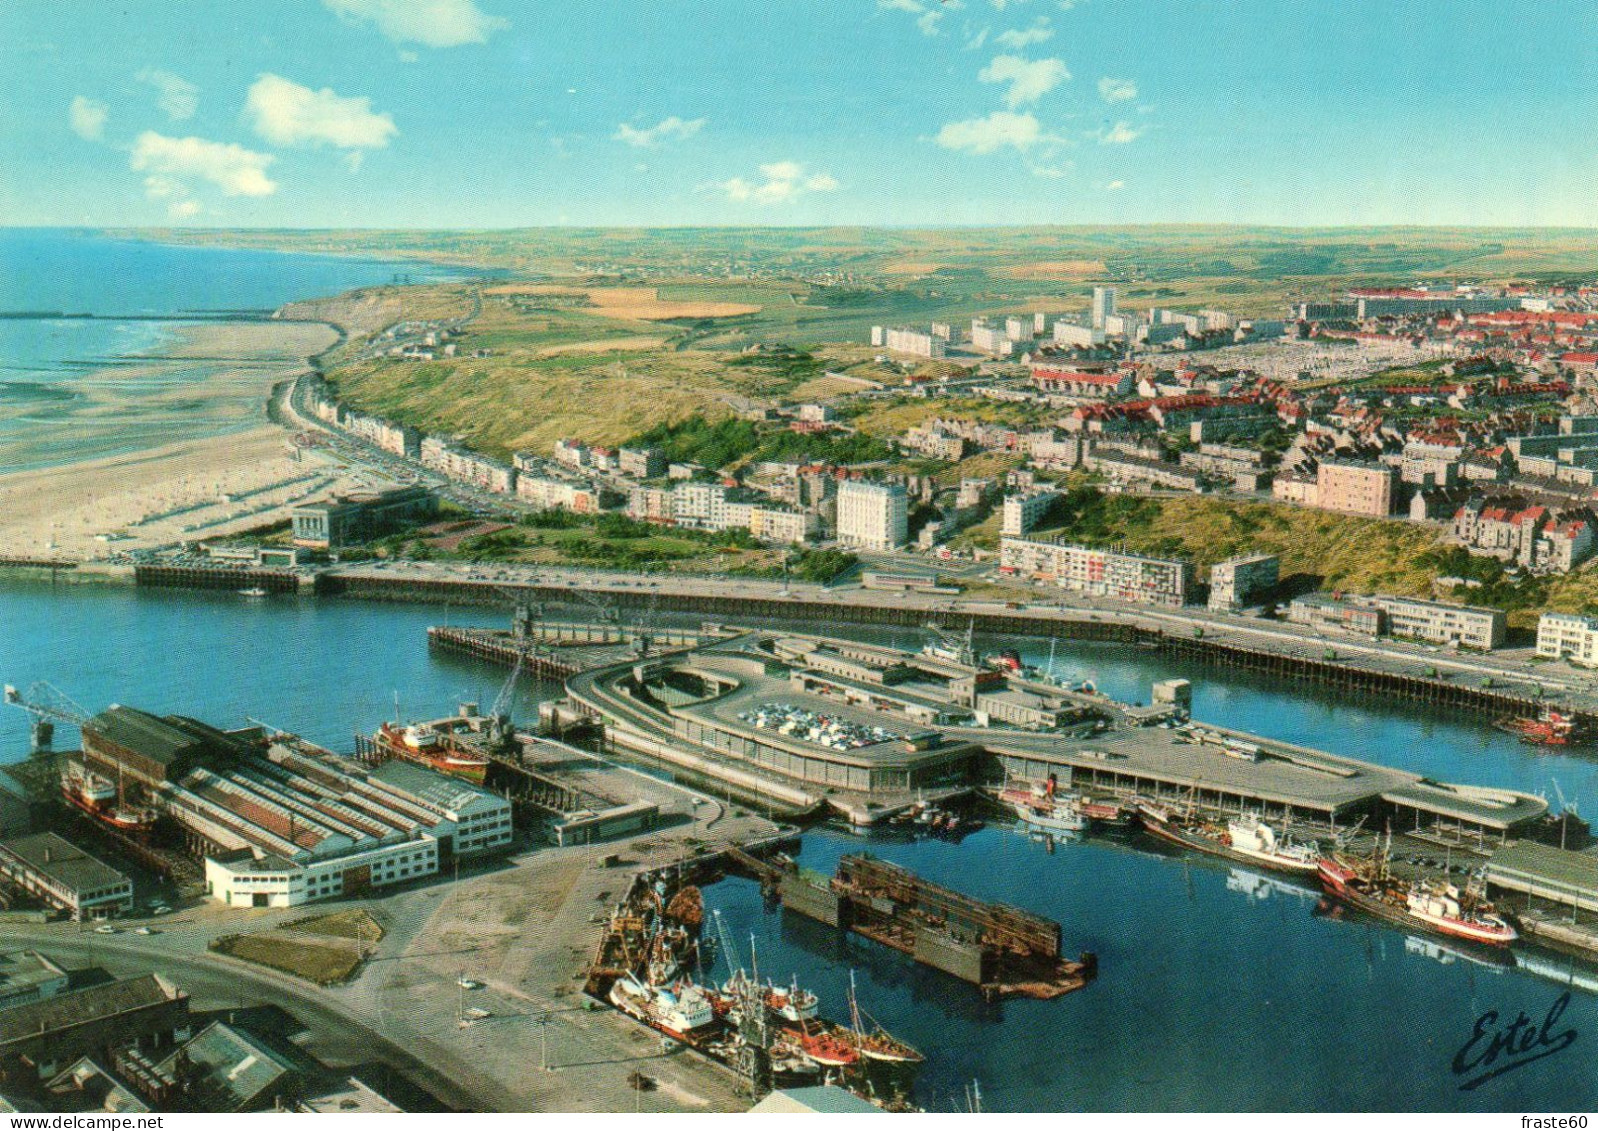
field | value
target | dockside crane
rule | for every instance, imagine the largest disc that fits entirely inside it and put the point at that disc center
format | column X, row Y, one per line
column 1567, row 810
column 499, row 729
column 48, row 705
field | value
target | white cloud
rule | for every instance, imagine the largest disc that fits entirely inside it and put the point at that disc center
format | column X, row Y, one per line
column 1117, row 90
column 232, row 168
column 997, row 130
column 183, row 209
column 432, row 23
column 1053, row 172
column 1039, row 32
column 672, row 128
column 1121, row 133
column 87, row 118
column 1115, row 186
column 927, row 13
column 286, row 113
column 1028, row 80
column 179, row 98
column 976, row 41
column 782, row 181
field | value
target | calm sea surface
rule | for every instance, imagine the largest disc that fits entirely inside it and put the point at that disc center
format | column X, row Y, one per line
column 1218, row 990
column 47, row 364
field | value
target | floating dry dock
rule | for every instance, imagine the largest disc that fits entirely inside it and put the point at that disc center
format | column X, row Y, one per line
column 1002, row 949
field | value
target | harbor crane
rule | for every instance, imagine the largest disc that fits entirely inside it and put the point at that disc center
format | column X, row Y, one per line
column 48, row 705
column 607, row 609
column 1567, row 810
column 499, row 729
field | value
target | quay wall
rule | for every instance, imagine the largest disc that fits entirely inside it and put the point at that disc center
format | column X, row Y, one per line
column 1118, row 626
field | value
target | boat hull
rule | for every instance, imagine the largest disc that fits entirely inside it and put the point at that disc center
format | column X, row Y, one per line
column 1174, row 834
column 1337, row 885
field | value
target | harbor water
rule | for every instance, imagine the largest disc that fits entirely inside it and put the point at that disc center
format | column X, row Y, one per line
column 1219, row 989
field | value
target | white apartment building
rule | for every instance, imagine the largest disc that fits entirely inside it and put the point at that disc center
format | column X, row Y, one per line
column 1568, row 636
column 1237, row 582
column 1023, row 512
column 872, row 516
column 916, row 342
column 1443, row 623
column 1103, row 306
column 701, row 506
column 990, row 339
column 1078, row 337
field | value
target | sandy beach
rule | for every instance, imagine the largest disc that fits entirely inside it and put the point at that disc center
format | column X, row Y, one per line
column 212, row 463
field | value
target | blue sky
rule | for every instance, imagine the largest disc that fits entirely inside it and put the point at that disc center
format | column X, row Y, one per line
column 494, row 113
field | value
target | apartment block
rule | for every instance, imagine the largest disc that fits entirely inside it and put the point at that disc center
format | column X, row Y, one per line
column 872, row 516
column 1242, row 581
column 1023, row 512
column 1355, row 488
column 1568, row 636
column 917, row 342
column 1099, row 573
column 1442, row 623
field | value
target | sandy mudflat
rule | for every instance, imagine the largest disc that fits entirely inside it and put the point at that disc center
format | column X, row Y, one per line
column 186, row 466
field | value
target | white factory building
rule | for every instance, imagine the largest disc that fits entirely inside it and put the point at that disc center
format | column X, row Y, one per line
column 293, row 827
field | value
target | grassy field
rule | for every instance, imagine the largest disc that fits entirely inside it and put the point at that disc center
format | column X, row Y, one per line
column 1317, row 548
column 326, row 949
column 355, row 924
column 600, row 334
column 1244, row 263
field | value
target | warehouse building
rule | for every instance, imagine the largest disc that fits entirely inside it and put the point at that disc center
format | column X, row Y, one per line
column 66, row 877
column 44, row 1037
column 27, row 975
column 294, row 827
column 280, row 822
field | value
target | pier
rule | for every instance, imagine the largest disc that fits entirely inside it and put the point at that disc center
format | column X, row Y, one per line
column 900, row 726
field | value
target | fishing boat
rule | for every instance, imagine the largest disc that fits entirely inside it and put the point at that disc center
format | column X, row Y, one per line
column 1005, row 660
column 679, row 1011
column 424, row 744
column 1041, row 806
column 1435, row 906
column 1247, row 839
column 254, row 591
column 1547, row 728
column 791, row 1003
column 101, row 798
column 878, row 1044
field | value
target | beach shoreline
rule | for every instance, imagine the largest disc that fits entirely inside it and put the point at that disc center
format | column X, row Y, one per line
column 210, row 462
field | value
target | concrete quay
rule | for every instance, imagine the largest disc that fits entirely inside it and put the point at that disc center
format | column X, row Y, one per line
column 1506, row 681
column 706, row 704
